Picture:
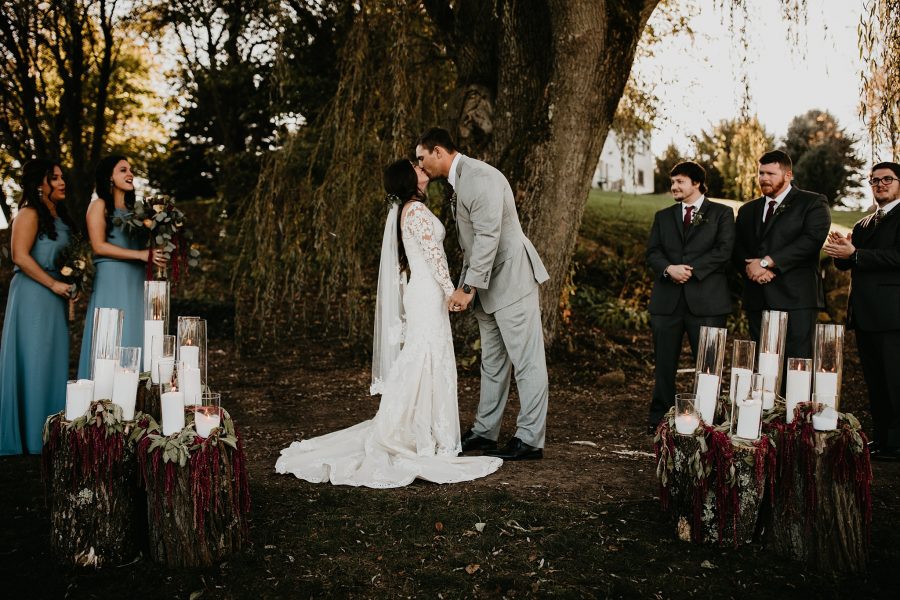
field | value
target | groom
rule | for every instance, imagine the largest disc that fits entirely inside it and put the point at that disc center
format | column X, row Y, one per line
column 500, row 277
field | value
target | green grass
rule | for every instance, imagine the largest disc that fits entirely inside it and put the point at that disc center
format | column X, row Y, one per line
column 639, row 209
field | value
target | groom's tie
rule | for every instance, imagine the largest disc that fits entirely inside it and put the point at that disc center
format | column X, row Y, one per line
column 453, row 204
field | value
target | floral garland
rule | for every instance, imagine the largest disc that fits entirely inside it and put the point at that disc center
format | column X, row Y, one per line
column 96, row 438
column 204, row 458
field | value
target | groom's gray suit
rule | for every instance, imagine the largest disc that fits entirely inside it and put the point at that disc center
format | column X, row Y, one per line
column 506, row 270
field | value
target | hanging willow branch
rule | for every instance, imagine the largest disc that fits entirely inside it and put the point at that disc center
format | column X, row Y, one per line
column 879, row 47
column 311, row 236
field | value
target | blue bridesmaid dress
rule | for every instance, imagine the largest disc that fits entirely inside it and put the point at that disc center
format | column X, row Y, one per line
column 34, row 352
column 117, row 284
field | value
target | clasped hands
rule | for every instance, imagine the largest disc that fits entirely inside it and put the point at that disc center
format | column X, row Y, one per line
column 839, row 246
column 756, row 272
column 459, row 300
column 679, row 273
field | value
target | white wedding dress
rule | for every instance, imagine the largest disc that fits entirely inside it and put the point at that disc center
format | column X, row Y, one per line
column 415, row 433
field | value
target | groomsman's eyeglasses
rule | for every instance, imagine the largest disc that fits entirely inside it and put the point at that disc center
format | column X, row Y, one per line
column 879, row 180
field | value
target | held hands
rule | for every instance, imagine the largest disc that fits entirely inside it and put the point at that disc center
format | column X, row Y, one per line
column 839, row 246
column 756, row 272
column 680, row 273
column 158, row 256
column 459, row 300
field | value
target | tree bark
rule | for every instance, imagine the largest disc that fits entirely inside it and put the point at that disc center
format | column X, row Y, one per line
column 538, row 85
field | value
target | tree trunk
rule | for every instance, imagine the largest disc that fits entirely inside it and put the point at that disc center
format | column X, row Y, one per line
column 538, row 85
column 97, row 512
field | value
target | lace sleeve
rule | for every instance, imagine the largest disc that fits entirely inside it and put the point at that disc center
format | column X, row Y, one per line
column 417, row 223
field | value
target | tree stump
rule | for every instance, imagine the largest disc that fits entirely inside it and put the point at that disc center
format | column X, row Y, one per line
column 198, row 497
column 823, row 505
column 148, row 399
column 711, row 486
column 90, row 476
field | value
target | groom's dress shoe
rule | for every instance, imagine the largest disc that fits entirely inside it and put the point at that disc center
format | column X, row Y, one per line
column 471, row 441
column 516, row 449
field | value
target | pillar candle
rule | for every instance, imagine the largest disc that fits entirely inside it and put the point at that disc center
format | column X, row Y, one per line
column 686, row 424
column 825, row 420
column 798, row 383
column 189, row 382
column 740, row 382
column 104, row 372
column 707, row 390
column 162, row 371
column 206, row 421
column 190, row 355
column 749, row 414
column 826, row 383
column 78, row 398
column 172, row 412
column 152, row 328
column 125, row 391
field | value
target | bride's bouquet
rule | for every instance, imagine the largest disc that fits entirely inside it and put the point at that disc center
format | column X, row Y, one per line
column 166, row 230
column 75, row 268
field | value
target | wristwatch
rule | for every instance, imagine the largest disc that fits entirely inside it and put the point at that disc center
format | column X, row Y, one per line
column 467, row 288
column 764, row 263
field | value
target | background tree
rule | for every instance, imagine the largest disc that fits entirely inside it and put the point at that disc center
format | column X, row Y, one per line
column 879, row 37
column 824, row 155
column 62, row 83
column 729, row 154
column 671, row 156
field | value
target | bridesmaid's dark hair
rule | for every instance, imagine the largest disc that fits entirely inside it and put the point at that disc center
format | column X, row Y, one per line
column 34, row 173
column 400, row 180
column 104, row 189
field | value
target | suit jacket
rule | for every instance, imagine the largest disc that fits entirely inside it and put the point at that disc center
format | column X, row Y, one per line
column 707, row 246
column 875, row 278
column 497, row 257
column 793, row 237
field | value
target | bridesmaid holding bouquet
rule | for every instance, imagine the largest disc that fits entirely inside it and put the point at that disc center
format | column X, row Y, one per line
column 34, row 349
column 120, row 256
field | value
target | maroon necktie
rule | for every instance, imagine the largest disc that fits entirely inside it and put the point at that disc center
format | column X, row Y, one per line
column 770, row 211
column 687, row 217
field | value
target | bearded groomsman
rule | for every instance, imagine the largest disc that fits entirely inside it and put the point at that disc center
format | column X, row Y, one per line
column 689, row 252
column 779, row 237
column 872, row 254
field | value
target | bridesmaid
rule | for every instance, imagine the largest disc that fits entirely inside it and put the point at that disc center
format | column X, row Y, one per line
column 120, row 256
column 34, row 349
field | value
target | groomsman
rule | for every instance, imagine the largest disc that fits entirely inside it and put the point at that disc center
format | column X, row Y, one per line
column 872, row 254
column 689, row 252
column 779, row 236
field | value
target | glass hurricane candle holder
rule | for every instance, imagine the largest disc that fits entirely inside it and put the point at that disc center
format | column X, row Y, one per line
column 156, row 317
column 746, row 417
column 772, row 334
column 686, row 418
column 708, row 378
column 743, row 360
column 191, row 357
column 172, row 403
column 828, row 362
column 799, row 380
column 106, row 337
column 163, row 364
column 208, row 414
column 125, row 382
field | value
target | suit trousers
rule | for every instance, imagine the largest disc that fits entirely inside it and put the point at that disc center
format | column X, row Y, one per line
column 801, row 331
column 878, row 352
column 512, row 339
column 668, row 335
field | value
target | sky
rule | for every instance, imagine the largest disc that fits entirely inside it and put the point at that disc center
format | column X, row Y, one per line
column 699, row 79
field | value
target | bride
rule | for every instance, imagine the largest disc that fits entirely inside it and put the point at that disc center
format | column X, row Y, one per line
column 415, row 433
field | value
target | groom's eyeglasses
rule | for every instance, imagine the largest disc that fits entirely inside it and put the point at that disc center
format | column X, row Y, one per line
column 879, row 180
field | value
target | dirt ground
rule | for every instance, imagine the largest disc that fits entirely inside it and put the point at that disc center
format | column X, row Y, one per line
column 583, row 522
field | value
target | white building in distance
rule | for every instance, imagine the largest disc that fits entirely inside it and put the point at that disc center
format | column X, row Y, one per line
column 629, row 174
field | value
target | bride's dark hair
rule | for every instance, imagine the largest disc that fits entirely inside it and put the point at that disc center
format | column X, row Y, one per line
column 400, row 180
column 104, row 187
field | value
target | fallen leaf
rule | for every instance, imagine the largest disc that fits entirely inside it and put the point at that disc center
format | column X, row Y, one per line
column 479, row 527
column 470, row 569
column 439, row 527
column 707, row 565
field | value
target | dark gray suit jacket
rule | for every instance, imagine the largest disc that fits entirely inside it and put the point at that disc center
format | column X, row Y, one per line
column 707, row 246
column 793, row 238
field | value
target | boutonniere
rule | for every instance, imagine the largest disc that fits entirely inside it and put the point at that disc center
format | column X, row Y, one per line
column 781, row 208
column 698, row 219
